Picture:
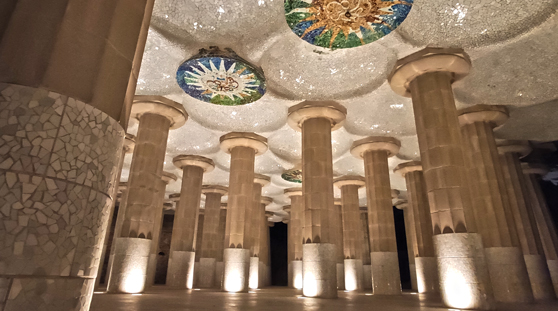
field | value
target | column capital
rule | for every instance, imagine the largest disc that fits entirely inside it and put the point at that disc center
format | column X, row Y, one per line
column 122, row 186
column 129, row 143
column 270, row 224
column 407, row 167
column 168, row 206
column 287, row 208
column 269, row 214
column 184, row 160
column 495, row 115
column 389, row 144
column 331, row 110
column 291, row 192
column 175, row 197
column 243, row 139
column 451, row 60
column 168, row 177
column 337, row 201
column 261, row 179
column 363, row 209
column 224, row 205
column 534, row 168
column 222, row 190
column 266, row 200
column 160, row 105
column 401, row 205
column 349, row 180
column 394, row 193
column 521, row 147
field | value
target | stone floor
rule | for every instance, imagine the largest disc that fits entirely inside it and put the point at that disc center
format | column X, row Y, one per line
column 276, row 298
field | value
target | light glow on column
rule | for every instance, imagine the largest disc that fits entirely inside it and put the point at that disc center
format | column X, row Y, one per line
column 458, row 293
column 351, row 282
column 254, row 279
column 133, row 282
column 233, row 280
column 310, row 288
column 298, row 280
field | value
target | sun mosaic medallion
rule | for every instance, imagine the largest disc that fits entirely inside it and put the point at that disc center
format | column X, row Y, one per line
column 293, row 176
column 340, row 24
column 221, row 78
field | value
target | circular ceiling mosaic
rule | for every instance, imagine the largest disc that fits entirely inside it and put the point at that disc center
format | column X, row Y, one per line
column 221, row 78
column 294, row 175
column 339, row 24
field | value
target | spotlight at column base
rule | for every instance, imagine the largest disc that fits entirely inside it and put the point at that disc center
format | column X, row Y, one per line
column 181, row 269
column 253, row 280
column 427, row 275
column 508, row 274
column 236, row 262
column 464, row 279
column 353, row 274
column 129, row 270
column 296, row 267
column 319, row 270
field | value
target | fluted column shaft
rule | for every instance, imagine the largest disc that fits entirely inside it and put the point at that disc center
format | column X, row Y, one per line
column 297, row 218
column 352, row 231
column 411, row 239
column 252, row 230
column 210, row 241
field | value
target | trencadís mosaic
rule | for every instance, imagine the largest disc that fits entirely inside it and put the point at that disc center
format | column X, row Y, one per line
column 338, row 24
column 294, row 175
column 221, row 78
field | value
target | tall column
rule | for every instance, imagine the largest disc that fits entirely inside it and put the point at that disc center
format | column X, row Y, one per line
column 543, row 217
column 182, row 253
column 264, row 276
column 198, row 246
column 156, row 116
column 427, row 76
column 252, row 230
column 63, row 78
column 166, row 179
column 316, row 120
column 336, row 226
column 352, row 231
column 366, row 266
column 295, row 237
column 506, row 265
column 219, row 265
column 425, row 260
column 128, row 147
column 243, row 148
column 411, row 239
column 210, row 249
column 383, row 247
column 525, row 223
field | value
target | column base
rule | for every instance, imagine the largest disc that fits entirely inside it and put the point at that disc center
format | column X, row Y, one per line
column 151, row 269
column 539, row 276
column 508, row 274
column 263, row 279
column 254, row 278
column 219, row 274
column 353, row 274
column 553, row 268
column 236, row 267
column 367, row 277
column 385, row 273
column 180, row 273
column 413, row 273
column 464, row 279
column 296, row 268
column 206, row 273
column 340, row 276
column 129, row 267
column 319, row 270
column 427, row 275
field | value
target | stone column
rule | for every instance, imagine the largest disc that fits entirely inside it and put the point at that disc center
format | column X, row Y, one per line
column 425, row 260
column 383, row 247
column 243, row 148
column 219, row 266
column 427, row 76
column 495, row 221
column 166, row 179
column 337, row 240
column 525, row 223
column 295, row 237
column 198, row 247
column 128, row 147
column 264, row 270
column 366, row 267
column 210, row 249
column 182, row 249
column 316, row 120
column 411, row 240
column 352, row 231
column 252, row 230
column 64, row 72
column 547, row 229
column 156, row 116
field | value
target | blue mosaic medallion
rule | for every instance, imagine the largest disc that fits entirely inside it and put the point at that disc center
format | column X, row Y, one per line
column 221, row 78
column 340, row 24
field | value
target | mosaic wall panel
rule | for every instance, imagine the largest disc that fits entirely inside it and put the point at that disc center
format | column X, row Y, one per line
column 58, row 164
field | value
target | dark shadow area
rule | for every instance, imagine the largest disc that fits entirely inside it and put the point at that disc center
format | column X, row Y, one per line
column 278, row 254
column 164, row 249
column 402, row 249
column 110, row 237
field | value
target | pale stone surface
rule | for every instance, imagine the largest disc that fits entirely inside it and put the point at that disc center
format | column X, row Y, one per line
column 464, row 277
column 296, row 268
column 508, row 274
column 367, row 276
column 180, row 272
column 539, row 276
column 427, row 275
column 207, row 273
column 354, row 274
column 385, row 273
column 254, row 278
column 236, row 268
column 319, row 270
column 413, row 273
column 219, row 267
column 130, row 265
column 340, row 268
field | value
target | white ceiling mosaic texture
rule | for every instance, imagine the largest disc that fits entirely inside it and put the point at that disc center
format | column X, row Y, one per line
column 513, row 45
